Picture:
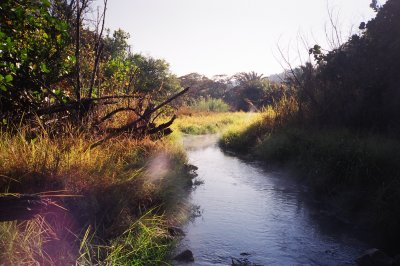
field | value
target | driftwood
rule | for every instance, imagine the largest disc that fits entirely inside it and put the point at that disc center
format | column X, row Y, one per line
column 21, row 207
column 147, row 128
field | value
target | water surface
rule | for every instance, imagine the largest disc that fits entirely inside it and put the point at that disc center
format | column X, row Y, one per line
column 264, row 213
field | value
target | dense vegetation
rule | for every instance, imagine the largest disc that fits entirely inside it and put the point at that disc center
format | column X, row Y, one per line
column 242, row 92
column 68, row 86
column 84, row 123
column 83, row 137
column 340, row 126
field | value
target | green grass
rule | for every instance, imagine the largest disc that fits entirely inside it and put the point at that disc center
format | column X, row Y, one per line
column 247, row 133
column 209, row 105
column 209, row 123
column 145, row 242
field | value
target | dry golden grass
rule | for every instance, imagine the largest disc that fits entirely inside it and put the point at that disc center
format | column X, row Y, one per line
column 108, row 187
column 209, row 122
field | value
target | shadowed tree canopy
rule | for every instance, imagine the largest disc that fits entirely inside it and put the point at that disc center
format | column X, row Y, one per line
column 358, row 84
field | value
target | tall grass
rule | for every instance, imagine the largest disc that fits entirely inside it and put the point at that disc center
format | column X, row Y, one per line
column 110, row 186
column 243, row 136
column 145, row 242
column 206, row 123
column 23, row 243
column 209, row 105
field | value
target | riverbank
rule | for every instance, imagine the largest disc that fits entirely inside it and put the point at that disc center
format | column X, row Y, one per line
column 109, row 205
column 112, row 204
column 356, row 175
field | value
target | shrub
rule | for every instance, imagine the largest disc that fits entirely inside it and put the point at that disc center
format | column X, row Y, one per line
column 210, row 105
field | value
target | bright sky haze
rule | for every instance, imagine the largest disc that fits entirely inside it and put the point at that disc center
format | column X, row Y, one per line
column 229, row 36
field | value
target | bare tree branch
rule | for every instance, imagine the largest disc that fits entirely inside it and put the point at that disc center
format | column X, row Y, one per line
column 98, row 48
column 146, row 117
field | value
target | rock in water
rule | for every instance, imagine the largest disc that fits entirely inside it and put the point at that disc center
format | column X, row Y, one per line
column 175, row 231
column 186, row 256
column 374, row 257
column 240, row 262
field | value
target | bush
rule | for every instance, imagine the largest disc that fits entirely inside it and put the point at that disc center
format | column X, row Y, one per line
column 210, row 105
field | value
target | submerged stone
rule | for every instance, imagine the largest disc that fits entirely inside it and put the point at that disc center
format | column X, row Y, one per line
column 175, row 231
column 186, row 256
column 374, row 257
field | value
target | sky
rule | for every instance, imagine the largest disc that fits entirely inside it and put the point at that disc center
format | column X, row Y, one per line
column 213, row 37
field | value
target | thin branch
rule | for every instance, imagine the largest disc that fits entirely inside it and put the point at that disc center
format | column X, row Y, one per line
column 99, row 48
column 162, row 127
column 111, row 114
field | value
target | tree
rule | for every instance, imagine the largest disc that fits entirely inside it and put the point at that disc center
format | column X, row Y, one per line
column 33, row 57
column 154, row 76
column 250, row 90
column 357, row 84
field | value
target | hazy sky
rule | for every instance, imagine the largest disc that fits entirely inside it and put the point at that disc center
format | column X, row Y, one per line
column 228, row 36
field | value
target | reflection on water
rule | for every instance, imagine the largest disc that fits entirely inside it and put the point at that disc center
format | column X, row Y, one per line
column 246, row 209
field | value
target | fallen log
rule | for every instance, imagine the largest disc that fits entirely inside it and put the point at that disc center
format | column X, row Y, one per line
column 146, row 116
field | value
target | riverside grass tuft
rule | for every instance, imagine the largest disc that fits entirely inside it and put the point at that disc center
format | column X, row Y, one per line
column 244, row 135
column 145, row 242
column 110, row 191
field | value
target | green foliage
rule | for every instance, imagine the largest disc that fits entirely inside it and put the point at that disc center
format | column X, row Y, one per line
column 116, row 46
column 209, row 105
column 154, row 76
column 204, row 87
column 38, row 73
column 243, row 91
column 38, row 69
column 357, row 84
column 32, row 54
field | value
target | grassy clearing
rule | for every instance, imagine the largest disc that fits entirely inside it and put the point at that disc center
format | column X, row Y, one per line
column 107, row 189
column 209, row 123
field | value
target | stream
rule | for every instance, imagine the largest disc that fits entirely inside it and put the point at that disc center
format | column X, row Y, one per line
column 258, row 216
